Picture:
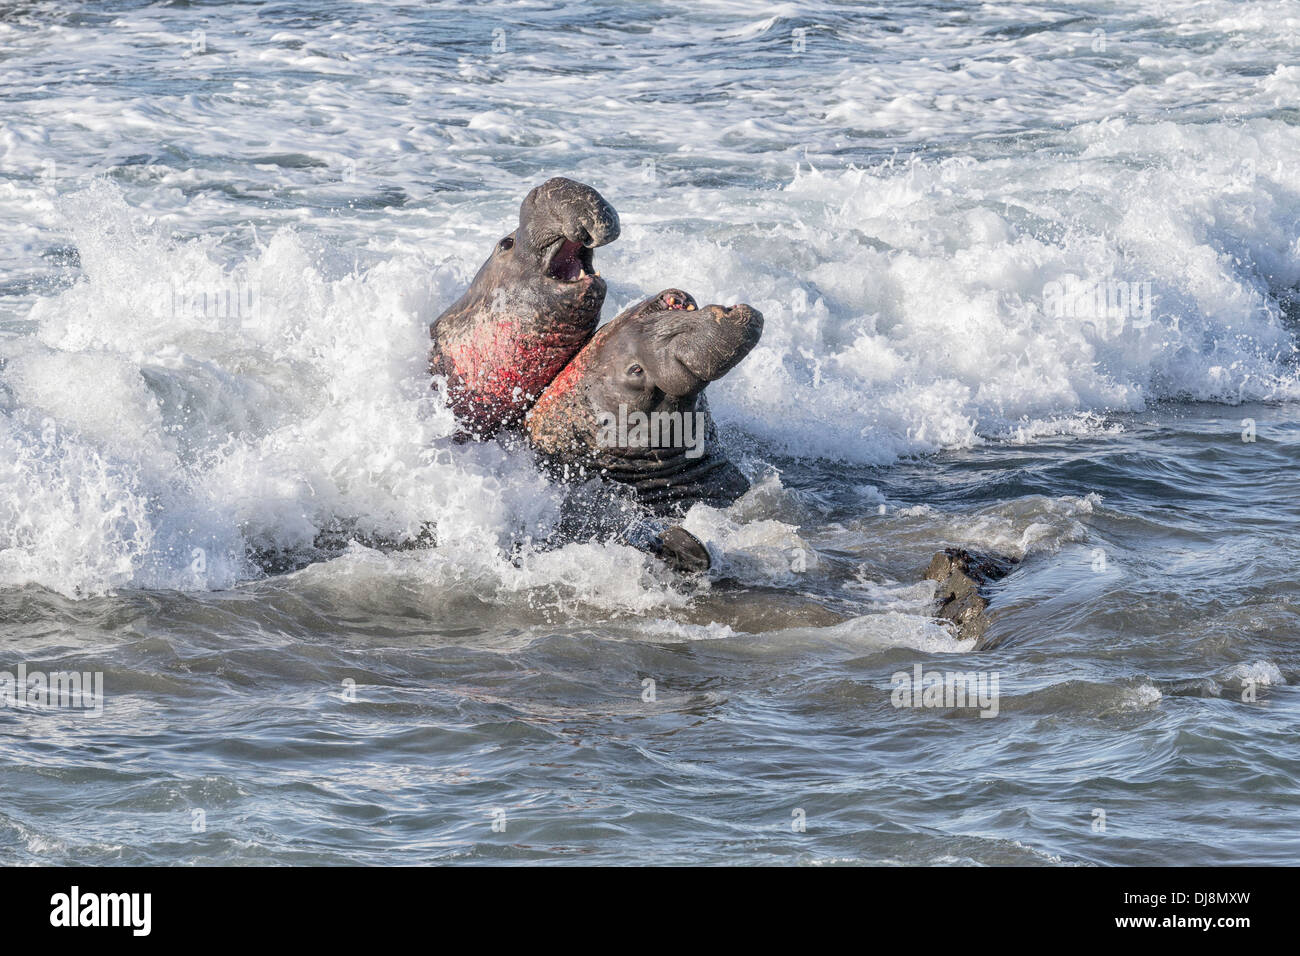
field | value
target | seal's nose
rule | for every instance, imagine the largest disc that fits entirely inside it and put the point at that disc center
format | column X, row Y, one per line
column 738, row 317
column 564, row 208
column 745, row 315
column 741, row 328
column 604, row 226
column 749, row 319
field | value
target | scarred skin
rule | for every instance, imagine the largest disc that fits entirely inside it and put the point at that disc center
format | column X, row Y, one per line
column 530, row 309
column 657, row 357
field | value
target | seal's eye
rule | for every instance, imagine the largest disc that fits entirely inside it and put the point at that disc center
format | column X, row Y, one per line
column 506, row 244
column 635, row 371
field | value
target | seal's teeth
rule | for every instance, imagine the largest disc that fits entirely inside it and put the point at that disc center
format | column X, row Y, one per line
column 690, row 307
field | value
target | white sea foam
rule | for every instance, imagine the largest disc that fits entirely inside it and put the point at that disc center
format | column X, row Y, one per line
column 1258, row 672
column 358, row 189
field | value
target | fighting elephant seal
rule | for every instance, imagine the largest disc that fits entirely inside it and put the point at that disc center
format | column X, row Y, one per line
column 531, row 307
column 630, row 407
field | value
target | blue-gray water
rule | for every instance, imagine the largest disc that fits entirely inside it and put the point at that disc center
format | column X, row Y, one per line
column 899, row 188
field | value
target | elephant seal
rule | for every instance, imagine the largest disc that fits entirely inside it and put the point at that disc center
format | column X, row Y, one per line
column 531, row 307
column 630, row 407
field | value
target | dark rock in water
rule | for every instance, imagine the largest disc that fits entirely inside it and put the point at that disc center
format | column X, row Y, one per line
column 962, row 593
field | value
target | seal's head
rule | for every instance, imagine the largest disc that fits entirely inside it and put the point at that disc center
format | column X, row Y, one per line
column 631, row 406
column 530, row 308
column 560, row 223
column 659, row 355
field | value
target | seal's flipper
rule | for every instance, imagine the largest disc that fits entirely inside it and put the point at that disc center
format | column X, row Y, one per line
column 675, row 546
column 684, row 552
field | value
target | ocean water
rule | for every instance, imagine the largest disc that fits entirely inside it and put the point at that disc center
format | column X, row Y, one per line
column 912, row 193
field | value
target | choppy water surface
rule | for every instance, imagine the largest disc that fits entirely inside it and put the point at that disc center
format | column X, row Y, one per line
column 896, row 187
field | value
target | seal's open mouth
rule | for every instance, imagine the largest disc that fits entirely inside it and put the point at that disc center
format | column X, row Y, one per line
column 675, row 299
column 570, row 261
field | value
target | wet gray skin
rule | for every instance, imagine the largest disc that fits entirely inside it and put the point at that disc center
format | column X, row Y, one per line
column 531, row 307
column 649, row 365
